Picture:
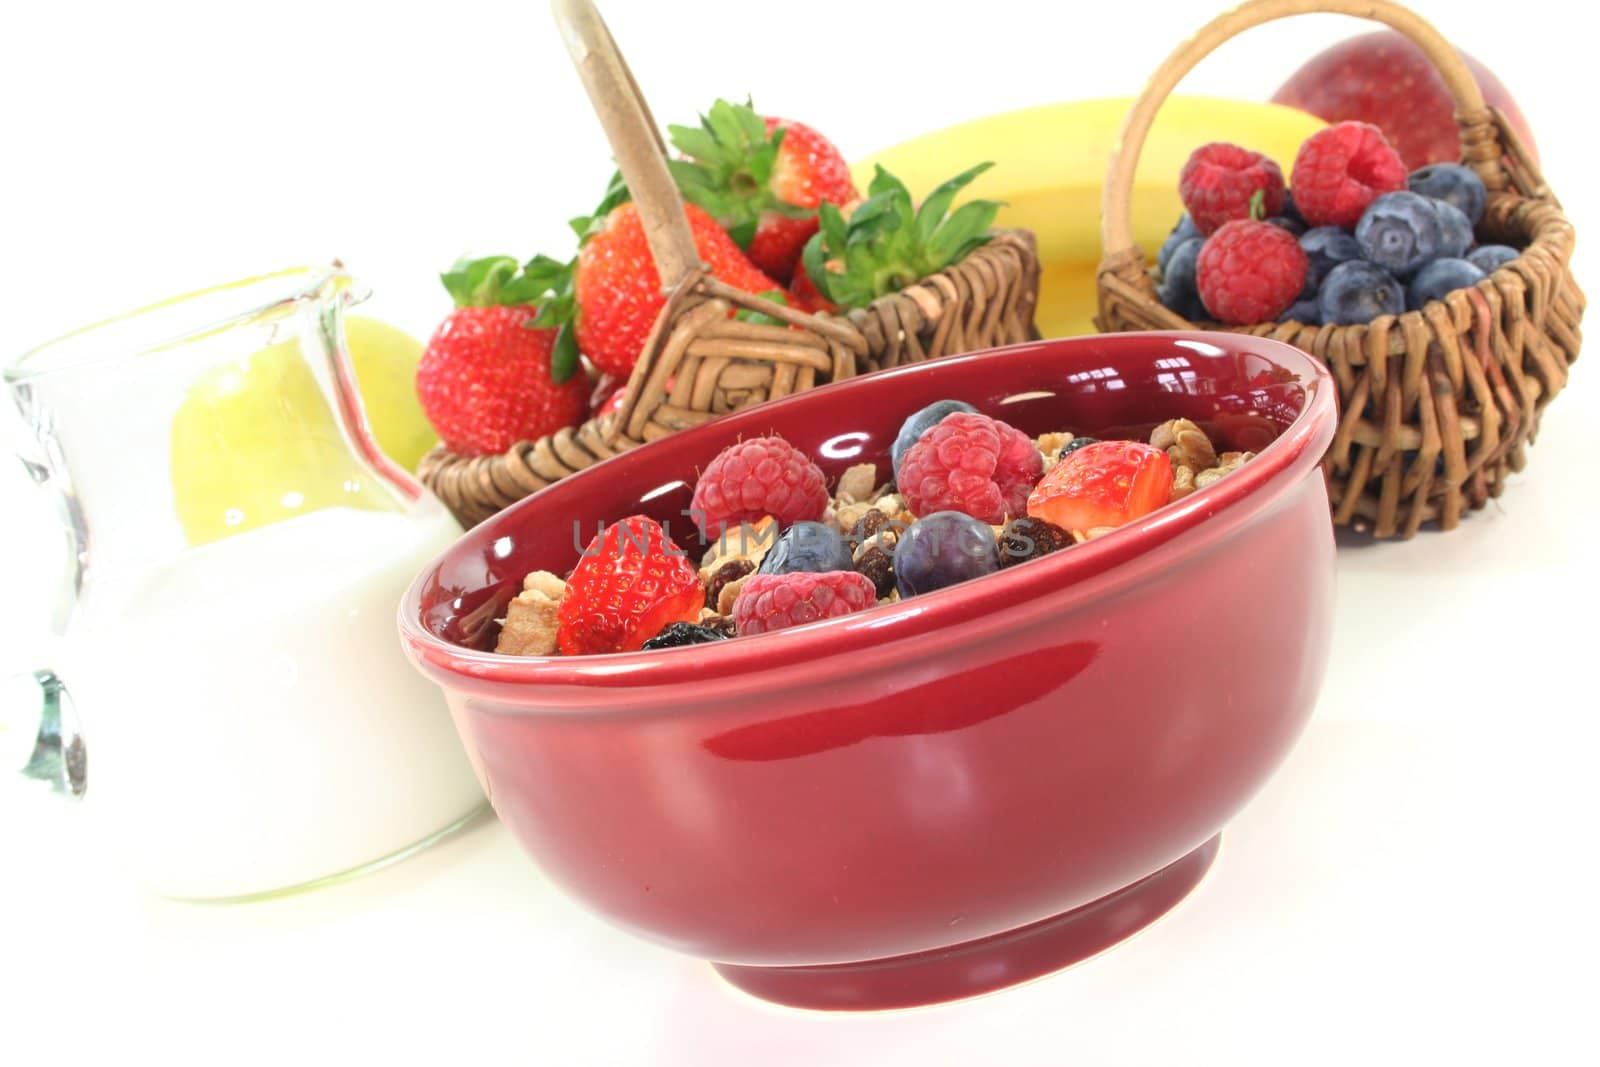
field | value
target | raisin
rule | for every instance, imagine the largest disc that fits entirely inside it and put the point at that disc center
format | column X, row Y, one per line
column 1029, row 538
column 869, row 524
column 683, row 633
column 878, row 566
column 731, row 571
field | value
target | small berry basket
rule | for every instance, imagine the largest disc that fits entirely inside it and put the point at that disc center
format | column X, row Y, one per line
column 1438, row 403
column 700, row 360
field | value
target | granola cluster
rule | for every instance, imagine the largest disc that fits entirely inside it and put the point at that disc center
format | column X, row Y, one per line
column 1195, row 462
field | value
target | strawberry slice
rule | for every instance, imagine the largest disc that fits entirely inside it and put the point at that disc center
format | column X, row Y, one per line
column 1104, row 484
column 631, row 583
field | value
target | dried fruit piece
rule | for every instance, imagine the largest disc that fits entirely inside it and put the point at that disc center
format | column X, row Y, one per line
column 877, row 564
column 1029, row 538
column 727, row 573
column 680, row 634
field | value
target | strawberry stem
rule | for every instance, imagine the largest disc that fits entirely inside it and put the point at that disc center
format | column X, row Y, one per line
column 889, row 243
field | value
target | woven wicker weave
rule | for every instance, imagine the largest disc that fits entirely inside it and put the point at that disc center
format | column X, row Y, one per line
column 1438, row 404
column 699, row 362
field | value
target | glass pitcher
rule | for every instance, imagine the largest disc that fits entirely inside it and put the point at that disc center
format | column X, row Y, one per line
column 227, row 697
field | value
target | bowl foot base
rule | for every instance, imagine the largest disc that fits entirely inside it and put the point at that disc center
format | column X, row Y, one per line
column 984, row 965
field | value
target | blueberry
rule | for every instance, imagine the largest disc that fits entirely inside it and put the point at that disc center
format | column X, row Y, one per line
column 1440, row 277
column 1283, row 222
column 1400, row 232
column 1178, row 290
column 1304, row 311
column 1490, row 258
column 942, row 549
column 913, row 428
column 1075, row 444
column 1290, row 210
column 1359, row 291
column 1457, row 230
column 1325, row 248
column 810, row 547
column 1454, row 184
column 1183, row 231
column 683, row 633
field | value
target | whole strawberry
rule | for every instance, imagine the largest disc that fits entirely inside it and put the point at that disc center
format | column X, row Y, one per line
column 630, row 584
column 489, row 378
column 618, row 290
column 1342, row 169
column 762, row 179
column 1222, row 182
column 1250, row 272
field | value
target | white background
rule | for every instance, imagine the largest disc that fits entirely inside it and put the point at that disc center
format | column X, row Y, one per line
column 1412, row 887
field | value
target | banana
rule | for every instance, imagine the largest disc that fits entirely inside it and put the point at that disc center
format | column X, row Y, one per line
column 1050, row 164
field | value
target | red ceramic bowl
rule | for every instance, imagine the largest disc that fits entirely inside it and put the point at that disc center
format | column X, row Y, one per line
column 951, row 793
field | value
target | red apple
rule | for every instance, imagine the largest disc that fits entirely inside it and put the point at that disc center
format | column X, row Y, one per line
column 1384, row 79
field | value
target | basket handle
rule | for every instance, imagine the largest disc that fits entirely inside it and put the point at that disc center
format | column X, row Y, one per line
column 635, row 139
column 1480, row 138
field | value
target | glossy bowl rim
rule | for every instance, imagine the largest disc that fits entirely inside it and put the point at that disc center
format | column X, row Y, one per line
column 1063, row 576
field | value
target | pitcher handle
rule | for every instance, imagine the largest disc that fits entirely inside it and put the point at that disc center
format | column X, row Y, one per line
column 39, row 732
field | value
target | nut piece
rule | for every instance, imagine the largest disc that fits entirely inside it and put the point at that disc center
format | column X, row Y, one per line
column 1227, row 463
column 1182, row 482
column 721, row 623
column 729, row 594
column 542, row 584
column 848, row 516
column 894, row 509
column 530, row 625
column 1185, row 444
column 748, row 541
column 857, row 483
column 1050, row 446
column 1080, row 536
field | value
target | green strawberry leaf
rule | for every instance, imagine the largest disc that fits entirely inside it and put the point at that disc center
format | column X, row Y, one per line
column 564, row 356
column 938, row 202
column 889, row 242
column 616, row 193
column 727, row 168
column 477, row 282
column 777, row 296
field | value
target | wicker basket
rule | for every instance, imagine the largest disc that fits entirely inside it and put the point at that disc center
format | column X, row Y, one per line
column 1437, row 404
column 699, row 362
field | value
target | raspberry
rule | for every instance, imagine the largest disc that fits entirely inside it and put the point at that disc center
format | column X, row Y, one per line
column 1220, row 182
column 630, row 585
column 1342, row 169
column 1250, row 272
column 777, row 601
column 972, row 464
column 761, row 476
